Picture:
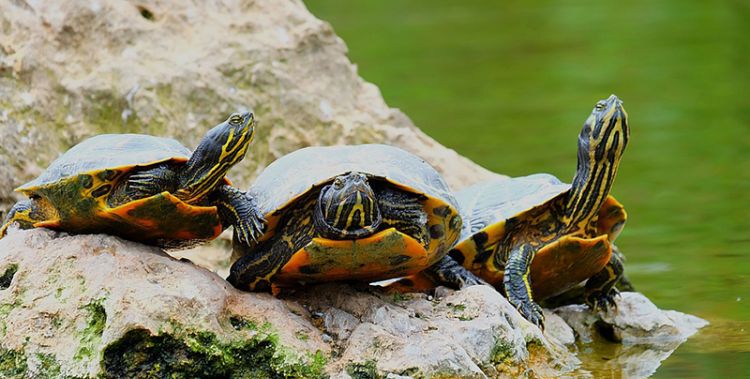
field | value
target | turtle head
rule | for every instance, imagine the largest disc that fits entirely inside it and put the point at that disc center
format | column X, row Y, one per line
column 347, row 208
column 605, row 134
column 220, row 149
column 600, row 146
column 36, row 211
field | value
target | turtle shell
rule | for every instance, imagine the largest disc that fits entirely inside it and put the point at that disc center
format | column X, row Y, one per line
column 556, row 267
column 77, row 184
column 388, row 253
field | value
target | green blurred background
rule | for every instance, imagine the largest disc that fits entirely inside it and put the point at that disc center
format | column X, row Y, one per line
column 509, row 84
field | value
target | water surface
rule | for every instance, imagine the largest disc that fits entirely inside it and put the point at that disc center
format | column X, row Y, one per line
column 509, row 84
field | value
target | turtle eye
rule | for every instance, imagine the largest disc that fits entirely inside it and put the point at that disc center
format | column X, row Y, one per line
column 235, row 119
column 338, row 183
column 600, row 105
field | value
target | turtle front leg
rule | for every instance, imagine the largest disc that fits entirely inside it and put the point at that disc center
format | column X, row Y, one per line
column 24, row 213
column 239, row 210
column 447, row 271
column 254, row 270
column 144, row 183
column 404, row 212
column 600, row 289
column 518, row 284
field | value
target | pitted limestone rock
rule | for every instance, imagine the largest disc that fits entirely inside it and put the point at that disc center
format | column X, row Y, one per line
column 635, row 320
column 470, row 333
column 91, row 304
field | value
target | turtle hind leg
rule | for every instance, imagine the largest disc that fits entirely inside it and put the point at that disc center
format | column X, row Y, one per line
column 448, row 272
column 404, row 212
column 600, row 289
column 253, row 271
column 25, row 213
column 241, row 211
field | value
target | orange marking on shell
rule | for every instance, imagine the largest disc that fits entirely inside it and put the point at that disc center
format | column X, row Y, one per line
column 365, row 259
column 419, row 283
column 51, row 224
column 299, row 259
column 566, row 262
column 179, row 213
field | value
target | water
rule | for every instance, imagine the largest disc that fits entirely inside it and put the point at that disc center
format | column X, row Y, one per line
column 509, row 84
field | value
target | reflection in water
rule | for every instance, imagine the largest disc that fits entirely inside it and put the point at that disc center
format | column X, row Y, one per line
column 506, row 84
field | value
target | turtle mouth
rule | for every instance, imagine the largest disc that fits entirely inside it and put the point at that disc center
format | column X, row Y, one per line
column 248, row 122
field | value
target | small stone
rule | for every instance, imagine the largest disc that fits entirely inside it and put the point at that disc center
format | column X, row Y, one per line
column 339, row 323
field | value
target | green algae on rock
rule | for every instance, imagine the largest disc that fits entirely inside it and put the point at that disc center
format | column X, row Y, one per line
column 200, row 354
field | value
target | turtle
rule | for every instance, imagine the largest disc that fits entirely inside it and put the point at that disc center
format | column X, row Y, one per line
column 362, row 212
column 145, row 188
column 566, row 230
column 536, row 234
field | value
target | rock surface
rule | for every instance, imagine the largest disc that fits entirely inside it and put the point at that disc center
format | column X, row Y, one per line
column 90, row 304
column 469, row 333
column 72, row 69
column 95, row 305
column 636, row 320
column 643, row 335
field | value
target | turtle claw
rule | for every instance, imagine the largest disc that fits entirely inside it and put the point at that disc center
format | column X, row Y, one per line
column 448, row 272
column 532, row 312
column 597, row 300
column 250, row 226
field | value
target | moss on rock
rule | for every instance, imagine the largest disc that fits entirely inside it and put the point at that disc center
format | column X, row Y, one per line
column 363, row 370
column 91, row 335
column 501, row 352
column 7, row 276
column 12, row 364
column 191, row 354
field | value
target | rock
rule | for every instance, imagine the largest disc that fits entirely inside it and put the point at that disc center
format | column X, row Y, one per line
column 556, row 329
column 470, row 333
column 636, row 320
column 69, row 70
column 644, row 334
column 339, row 323
column 94, row 305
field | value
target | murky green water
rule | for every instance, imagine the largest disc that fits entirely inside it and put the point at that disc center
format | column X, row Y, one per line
column 509, row 85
